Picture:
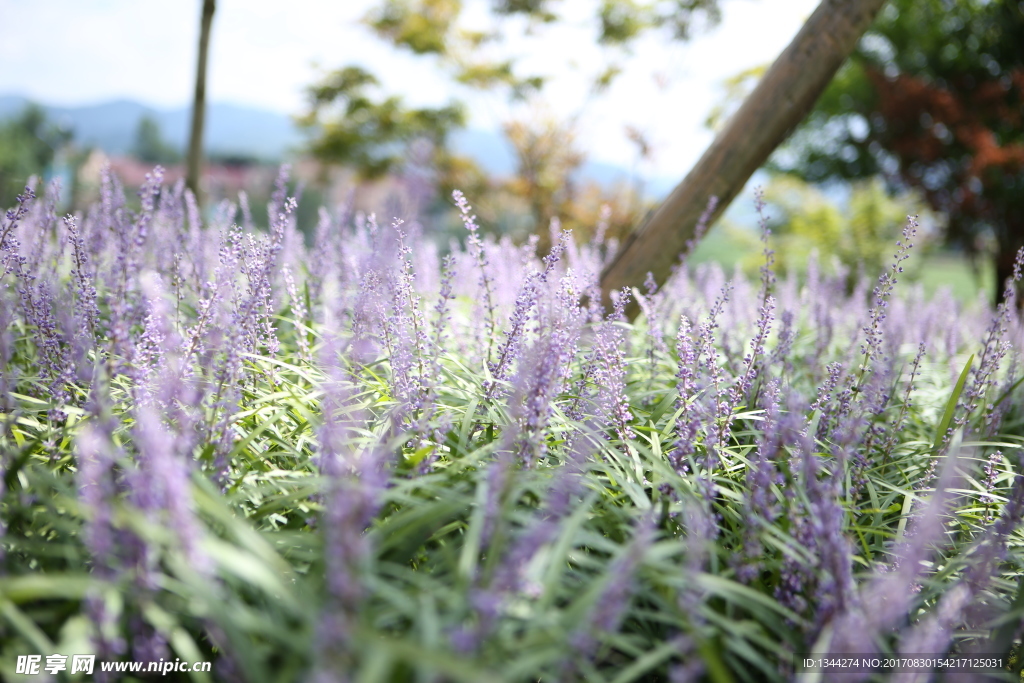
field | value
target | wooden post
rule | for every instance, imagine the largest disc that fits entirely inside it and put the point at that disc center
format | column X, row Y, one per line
column 780, row 101
column 195, row 139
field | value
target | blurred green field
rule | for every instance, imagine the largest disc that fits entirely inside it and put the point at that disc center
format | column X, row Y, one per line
column 733, row 246
column 950, row 269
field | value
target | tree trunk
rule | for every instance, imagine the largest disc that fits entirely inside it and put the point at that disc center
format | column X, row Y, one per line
column 780, row 101
column 195, row 140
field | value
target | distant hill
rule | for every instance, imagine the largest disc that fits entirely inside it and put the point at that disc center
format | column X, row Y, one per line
column 230, row 129
column 233, row 129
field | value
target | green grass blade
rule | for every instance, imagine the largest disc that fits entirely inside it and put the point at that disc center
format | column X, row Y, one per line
column 954, row 398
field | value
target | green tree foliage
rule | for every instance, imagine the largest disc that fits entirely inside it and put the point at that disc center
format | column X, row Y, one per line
column 537, row 9
column 150, row 145
column 354, row 124
column 625, row 20
column 933, row 99
column 28, row 145
column 857, row 233
column 430, row 27
column 422, row 27
column 353, row 128
column 546, row 161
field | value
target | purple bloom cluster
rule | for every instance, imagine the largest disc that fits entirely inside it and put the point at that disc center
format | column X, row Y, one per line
column 479, row 255
column 756, row 446
column 873, row 331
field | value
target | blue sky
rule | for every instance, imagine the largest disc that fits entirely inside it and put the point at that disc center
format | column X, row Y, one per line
column 264, row 52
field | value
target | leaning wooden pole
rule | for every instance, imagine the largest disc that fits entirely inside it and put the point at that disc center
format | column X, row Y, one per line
column 195, row 138
column 769, row 114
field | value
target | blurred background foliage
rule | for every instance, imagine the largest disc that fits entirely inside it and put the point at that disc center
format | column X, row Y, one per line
column 150, row 145
column 855, row 232
column 350, row 127
column 933, row 101
column 29, row 144
column 925, row 118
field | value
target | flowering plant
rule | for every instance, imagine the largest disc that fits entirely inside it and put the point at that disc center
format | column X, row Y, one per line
column 376, row 458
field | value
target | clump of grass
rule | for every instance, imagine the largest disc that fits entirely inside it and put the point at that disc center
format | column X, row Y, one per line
column 363, row 461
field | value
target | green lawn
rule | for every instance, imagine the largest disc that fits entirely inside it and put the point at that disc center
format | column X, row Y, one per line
column 733, row 246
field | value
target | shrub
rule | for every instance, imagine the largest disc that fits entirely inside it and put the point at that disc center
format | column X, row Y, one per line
column 373, row 460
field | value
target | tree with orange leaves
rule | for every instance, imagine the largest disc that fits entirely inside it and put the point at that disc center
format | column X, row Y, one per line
column 932, row 99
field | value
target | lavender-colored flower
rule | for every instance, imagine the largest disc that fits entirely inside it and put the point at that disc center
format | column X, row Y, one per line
column 993, row 544
column 897, row 424
column 699, row 541
column 406, row 336
column 994, row 350
column 84, row 279
column 717, row 431
column 872, row 348
column 9, row 244
column 354, row 480
column 886, row 597
column 161, row 486
column 170, row 325
column 754, row 359
column 479, row 254
column 934, row 633
column 299, row 312
column 442, row 308
column 156, row 487
column 650, row 305
column 96, row 491
column 148, row 644
column 767, row 270
column 37, row 307
column 604, row 220
column 510, row 579
column 760, row 508
column 780, row 355
column 688, row 422
column 700, row 228
column 610, row 372
column 689, row 672
column 607, row 613
column 991, row 471
column 539, row 382
column 508, row 351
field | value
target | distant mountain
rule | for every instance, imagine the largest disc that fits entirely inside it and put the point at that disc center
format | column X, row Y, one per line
column 239, row 130
column 230, row 128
